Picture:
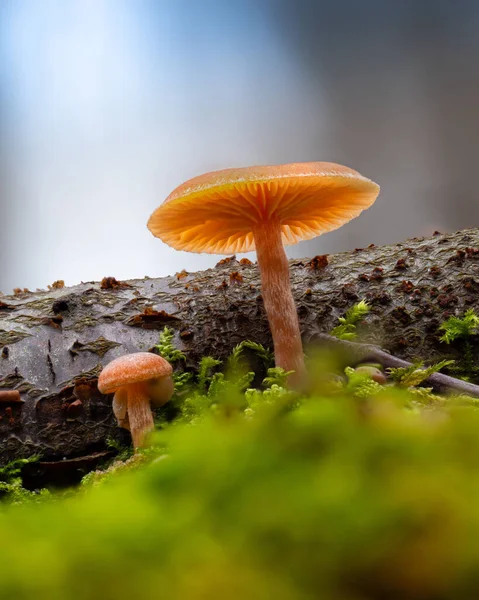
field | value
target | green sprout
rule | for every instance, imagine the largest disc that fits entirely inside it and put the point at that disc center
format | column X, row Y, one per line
column 346, row 330
column 167, row 349
column 415, row 374
column 456, row 328
column 276, row 376
column 460, row 330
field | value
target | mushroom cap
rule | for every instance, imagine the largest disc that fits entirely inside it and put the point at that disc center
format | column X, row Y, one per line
column 132, row 368
column 215, row 212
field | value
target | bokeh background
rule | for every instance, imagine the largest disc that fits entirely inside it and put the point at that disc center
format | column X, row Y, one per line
column 107, row 105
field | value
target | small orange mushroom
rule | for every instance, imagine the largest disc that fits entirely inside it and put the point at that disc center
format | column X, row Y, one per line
column 264, row 208
column 139, row 380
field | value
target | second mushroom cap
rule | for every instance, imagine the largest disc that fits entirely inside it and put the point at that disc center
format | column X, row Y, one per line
column 132, row 368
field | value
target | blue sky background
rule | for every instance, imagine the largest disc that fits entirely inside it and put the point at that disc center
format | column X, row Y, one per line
column 107, row 105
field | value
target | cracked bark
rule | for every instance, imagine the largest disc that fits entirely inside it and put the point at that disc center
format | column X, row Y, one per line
column 53, row 343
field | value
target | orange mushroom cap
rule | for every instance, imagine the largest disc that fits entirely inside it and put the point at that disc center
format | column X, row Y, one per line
column 132, row 368
column 214, row 212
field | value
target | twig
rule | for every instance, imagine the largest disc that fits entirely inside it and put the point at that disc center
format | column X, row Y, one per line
column 357, row 352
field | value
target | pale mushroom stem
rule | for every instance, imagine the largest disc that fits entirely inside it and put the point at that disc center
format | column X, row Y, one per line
column 120, row 408
column 139, row 413
column 278, row 300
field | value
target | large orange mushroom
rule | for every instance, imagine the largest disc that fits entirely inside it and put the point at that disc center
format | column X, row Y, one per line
column 264, row 208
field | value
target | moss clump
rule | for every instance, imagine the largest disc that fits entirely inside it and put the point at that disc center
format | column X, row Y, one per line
column 358, row 491
column 272, row 495
column 11, row 486
column 457, row 330
column 346, row 330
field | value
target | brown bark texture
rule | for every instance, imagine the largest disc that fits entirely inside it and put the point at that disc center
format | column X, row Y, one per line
column 54, row 343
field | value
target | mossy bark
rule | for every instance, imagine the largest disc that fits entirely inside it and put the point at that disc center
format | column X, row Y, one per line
column 53, row 343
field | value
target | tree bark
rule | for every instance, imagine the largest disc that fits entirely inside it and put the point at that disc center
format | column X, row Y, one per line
column 53, row 343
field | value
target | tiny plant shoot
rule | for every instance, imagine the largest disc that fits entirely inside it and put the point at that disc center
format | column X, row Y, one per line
column 346, row 330
column 456, row 328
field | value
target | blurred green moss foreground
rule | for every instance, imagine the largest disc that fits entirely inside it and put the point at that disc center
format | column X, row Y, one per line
column 334, row 496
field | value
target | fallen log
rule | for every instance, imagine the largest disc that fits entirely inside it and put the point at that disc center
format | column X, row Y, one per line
column 53, row 343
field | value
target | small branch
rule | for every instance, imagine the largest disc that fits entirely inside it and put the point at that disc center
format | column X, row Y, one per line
column 357, row 352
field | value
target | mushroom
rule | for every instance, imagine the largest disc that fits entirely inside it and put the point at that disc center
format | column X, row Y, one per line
column 264, row 208
column 139, row 380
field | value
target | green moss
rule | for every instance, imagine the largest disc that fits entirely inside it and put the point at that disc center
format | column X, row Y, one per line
column 416, row 373
column 456, row 328
column 167, row 349
column 322, row 500
column 346, row 330
column 11, row 487
column 357, row 491
column 459, row 331
column 13, row 469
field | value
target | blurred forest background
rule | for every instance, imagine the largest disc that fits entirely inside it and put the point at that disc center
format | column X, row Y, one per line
column 107, row 105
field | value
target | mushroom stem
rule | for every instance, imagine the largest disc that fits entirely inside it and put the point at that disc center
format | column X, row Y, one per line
column 139, row 413
column 278, row 299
